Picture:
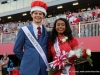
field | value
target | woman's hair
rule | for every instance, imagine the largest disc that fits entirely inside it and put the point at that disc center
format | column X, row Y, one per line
column 67, row 32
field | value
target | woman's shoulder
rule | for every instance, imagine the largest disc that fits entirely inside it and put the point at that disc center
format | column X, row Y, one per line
column 73, row 43
column 73, row 39
column 50, row 43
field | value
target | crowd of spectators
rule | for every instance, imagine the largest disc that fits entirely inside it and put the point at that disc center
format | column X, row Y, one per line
column 83, row 16
column 12, row 27
column 87, row 18
column 73, row 18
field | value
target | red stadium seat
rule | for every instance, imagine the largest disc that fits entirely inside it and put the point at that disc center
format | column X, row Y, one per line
column 15, row 72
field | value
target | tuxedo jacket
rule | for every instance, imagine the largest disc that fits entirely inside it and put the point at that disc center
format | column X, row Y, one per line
column 31, row 61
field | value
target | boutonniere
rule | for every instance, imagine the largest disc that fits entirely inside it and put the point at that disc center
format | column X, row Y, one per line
column 48, row 29
column 64, row 39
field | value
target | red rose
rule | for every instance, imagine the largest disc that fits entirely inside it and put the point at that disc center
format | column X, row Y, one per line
column 71, row 59
column 84, row 55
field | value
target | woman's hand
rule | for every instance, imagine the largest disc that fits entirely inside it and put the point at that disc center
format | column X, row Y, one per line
column 65, row 62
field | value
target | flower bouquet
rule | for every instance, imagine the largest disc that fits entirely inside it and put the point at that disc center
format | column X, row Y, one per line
column 75, row 57
column 79, row 56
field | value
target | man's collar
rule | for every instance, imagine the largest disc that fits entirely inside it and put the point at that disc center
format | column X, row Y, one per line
column 35, row 26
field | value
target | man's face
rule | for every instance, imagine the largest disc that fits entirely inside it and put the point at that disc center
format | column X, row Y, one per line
column 37, row 16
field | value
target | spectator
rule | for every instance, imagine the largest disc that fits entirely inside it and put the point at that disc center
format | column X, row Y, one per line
column 71, row 19
column 80, row 18
column 88, row 9
column 0, row 68
column 4, row 60
column 10, row 67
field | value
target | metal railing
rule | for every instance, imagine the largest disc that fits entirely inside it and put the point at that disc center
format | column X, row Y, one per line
column 86, row 30
column 7, row 38
column 79, row 30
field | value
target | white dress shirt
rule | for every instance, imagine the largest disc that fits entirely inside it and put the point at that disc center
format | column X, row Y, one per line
column 36, row 30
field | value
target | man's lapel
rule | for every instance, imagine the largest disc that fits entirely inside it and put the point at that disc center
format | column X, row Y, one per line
column 32, row 32
column 43, row 37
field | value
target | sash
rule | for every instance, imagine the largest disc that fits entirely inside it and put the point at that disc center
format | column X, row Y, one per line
column 56, row 47
column 35, row 44
column 57, row 50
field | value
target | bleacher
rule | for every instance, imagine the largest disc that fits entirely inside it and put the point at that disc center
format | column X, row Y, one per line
column 82, row 28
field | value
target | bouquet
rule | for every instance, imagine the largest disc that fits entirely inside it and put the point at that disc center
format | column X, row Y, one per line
column 79, row 56
column 75, row 57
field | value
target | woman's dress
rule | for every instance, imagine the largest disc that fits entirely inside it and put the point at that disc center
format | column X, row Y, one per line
column 67, row 46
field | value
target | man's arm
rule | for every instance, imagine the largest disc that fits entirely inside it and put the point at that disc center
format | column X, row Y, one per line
column 6, row 62
column 18, row 46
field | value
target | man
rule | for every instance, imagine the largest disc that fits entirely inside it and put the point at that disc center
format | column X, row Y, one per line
column 33, row 59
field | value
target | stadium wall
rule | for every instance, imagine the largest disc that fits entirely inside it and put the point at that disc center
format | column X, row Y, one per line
column 88, row 42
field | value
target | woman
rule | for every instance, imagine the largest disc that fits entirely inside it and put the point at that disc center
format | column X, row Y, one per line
column 4, row 60
column 60, row 31
column 0, row 67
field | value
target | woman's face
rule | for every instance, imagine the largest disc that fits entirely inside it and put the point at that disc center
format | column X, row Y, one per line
column 4, row 55
column 60, row 27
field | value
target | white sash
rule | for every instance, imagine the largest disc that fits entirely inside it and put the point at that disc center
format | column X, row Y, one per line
column 57, row 50
column 35, row 44
column 56, row 47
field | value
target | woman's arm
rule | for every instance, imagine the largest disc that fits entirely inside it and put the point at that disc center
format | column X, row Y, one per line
column 6, row 62
column 73, row 43
column 50, row 58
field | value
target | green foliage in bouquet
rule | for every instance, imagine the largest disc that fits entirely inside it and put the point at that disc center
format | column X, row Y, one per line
column 52, row 71
column 83, row 60
column 90, row 61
